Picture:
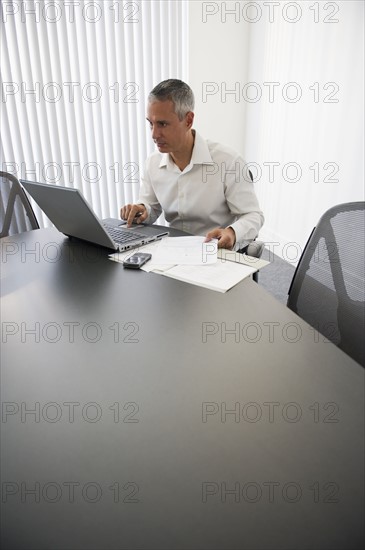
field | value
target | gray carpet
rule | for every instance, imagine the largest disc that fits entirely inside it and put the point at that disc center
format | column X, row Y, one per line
column 276, row 277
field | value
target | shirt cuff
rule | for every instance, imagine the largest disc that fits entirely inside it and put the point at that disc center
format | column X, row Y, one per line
column 148, row 209
column 240, row 241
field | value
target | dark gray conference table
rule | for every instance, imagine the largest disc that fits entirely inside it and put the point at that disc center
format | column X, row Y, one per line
column 140, row 412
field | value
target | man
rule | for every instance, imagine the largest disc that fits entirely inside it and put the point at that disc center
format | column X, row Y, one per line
column 199, row 185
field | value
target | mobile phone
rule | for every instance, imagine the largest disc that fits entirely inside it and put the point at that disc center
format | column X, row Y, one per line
column 137, row 260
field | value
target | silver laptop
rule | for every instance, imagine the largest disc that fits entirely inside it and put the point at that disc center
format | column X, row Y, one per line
column 71, row 214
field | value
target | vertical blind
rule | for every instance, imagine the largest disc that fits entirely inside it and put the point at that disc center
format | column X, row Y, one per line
column 74, row 82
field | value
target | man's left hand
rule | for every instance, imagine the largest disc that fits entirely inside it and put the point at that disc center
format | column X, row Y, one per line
column 226, row 237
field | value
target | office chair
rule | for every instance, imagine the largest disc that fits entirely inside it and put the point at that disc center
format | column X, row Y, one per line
column 16, row 213
column 327, row 289
column 255, row 248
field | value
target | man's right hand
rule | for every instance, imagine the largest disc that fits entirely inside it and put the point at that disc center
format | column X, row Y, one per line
column 133, row 213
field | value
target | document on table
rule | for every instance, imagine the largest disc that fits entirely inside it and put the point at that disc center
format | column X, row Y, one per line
column 186, row 251
column 193, row 261
column 220, row 276
column 231, row 256
column 171, row 251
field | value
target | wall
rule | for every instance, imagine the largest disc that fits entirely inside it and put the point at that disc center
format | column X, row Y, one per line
column 305, row 132
column 217, row 57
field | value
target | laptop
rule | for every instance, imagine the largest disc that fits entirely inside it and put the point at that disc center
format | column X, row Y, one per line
column 71, row 214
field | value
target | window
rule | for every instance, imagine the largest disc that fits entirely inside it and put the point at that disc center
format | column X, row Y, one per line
column 75, row 77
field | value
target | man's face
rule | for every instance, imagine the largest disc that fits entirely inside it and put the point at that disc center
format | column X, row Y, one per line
column 170, row 134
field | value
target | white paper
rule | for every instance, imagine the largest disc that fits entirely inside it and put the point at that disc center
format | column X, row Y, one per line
column 186, row 251
column 171, row 251
column 223, row 274
column 220, row 276
column 231, row 256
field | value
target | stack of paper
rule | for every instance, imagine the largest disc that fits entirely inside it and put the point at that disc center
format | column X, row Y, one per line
column 186, row 251
column 194, row 261
column 220, row 276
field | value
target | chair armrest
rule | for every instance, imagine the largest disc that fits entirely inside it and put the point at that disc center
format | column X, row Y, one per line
column 255, row 249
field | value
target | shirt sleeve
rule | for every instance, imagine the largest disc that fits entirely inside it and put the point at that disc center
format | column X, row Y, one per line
column 147, row 196
column 242, row 202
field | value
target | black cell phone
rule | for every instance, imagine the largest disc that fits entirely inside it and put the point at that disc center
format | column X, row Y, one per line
column 137, row 260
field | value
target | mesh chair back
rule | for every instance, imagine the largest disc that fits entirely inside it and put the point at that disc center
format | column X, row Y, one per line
column 328, row 289
column 16, row 213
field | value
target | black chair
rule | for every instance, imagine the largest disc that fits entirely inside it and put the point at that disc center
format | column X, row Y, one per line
column 16, row 213
column 328, row 286
column 254, row 248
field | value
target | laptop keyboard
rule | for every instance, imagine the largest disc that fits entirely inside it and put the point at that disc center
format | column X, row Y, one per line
column 122, row 236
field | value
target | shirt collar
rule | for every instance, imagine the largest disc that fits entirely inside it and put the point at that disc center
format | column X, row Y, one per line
column 200, row 154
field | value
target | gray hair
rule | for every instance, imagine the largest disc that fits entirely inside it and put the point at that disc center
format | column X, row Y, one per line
column 176, row 91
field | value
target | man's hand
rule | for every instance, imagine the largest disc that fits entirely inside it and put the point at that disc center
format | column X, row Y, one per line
column 226, row 237
column 133, row 213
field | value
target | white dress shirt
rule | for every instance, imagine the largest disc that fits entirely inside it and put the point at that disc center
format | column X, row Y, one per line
column 212, row 191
